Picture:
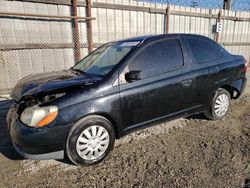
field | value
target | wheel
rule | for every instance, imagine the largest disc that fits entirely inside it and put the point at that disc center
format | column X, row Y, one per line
column 90, row 140
column 219, row 105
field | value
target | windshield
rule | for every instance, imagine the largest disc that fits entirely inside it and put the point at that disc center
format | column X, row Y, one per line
column 104, row 59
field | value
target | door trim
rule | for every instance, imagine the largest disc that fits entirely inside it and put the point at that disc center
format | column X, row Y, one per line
column 171, row 116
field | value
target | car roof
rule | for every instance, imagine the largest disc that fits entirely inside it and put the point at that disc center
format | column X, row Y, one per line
column 147, row 37
column 138, row 38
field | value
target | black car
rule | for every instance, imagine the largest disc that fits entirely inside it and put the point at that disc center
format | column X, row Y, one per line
column 121, row 87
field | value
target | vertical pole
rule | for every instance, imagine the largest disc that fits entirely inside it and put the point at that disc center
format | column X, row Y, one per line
column 218, row 21
column 89, row 27
column 167, row 19
column 76, row 36
column 227, row 4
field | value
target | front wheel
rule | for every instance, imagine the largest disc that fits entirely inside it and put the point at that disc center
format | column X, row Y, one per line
column 90, row 140
column 219, row 105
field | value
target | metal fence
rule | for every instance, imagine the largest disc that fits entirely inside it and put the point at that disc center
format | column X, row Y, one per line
column 235, row 5
column 25, row 52
column 41, row 35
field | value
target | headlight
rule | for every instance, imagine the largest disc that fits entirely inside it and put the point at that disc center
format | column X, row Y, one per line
column 39, row 116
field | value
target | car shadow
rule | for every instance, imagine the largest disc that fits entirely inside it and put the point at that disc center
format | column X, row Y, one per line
column 197, row 117
column 6, row 147
column 66, row 161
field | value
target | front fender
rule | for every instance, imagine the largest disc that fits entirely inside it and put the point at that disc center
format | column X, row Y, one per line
column 107, row 106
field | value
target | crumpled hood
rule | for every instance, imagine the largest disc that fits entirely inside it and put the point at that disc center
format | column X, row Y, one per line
column 41, row 84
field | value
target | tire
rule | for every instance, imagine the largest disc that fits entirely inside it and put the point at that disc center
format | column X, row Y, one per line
column 215, row 112
column 90, row 140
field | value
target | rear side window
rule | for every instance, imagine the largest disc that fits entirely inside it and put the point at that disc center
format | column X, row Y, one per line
column 158, row 58
column 204, row 50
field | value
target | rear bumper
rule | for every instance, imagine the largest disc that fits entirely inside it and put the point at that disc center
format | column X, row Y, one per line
column 240, row 86
column 244, row 85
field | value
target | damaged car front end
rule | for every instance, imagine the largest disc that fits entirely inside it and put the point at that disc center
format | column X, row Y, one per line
column 48, row 105
column 33, row 118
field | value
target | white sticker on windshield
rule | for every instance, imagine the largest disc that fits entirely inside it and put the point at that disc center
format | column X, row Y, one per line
column 134, row 43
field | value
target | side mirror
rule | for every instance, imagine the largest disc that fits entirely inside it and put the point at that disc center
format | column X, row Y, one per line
column 133, row 76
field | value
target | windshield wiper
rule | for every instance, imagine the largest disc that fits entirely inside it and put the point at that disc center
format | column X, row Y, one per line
column 78, row 71
column 88, row 74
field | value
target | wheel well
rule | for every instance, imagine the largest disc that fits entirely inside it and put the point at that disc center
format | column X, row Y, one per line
column 113, row 122
column 234, row 93
column 108, row 117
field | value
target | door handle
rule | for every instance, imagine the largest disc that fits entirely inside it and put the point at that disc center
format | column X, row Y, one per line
column 186, row 83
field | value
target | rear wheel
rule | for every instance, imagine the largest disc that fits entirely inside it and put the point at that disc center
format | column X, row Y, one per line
column 90, row 140
column 219, row 105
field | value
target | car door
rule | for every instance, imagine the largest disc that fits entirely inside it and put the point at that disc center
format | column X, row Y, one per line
column 207, row 61
column 166, row 87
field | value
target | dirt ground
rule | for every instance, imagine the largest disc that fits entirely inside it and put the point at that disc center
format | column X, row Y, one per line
column 188, row 152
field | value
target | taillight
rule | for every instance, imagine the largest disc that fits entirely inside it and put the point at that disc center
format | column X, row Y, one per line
column 246, row 64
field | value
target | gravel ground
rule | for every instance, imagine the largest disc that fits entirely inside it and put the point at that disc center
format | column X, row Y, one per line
column 188, row 152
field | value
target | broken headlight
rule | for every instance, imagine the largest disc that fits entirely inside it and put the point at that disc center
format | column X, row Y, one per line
column 37, row 117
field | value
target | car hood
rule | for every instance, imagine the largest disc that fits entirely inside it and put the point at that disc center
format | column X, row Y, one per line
column 46, row 83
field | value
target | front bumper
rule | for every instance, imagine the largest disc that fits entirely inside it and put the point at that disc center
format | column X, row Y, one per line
column 37, row 143
column 51, row 155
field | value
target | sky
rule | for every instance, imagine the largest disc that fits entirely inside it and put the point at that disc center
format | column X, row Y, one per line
column 237, row 5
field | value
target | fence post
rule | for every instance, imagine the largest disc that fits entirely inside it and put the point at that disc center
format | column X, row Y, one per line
column 76, row 37
column 89, row 27
column 167, row 17
column 218, row 21
column 227, row 4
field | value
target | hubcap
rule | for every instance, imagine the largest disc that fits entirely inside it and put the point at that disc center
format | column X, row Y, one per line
column 92, row 142
column 221, row 105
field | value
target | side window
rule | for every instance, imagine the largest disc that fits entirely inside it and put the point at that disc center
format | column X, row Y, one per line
column 158, row 58
column 204, row 50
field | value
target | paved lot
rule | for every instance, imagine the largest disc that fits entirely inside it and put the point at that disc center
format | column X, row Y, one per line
column 188, row 152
